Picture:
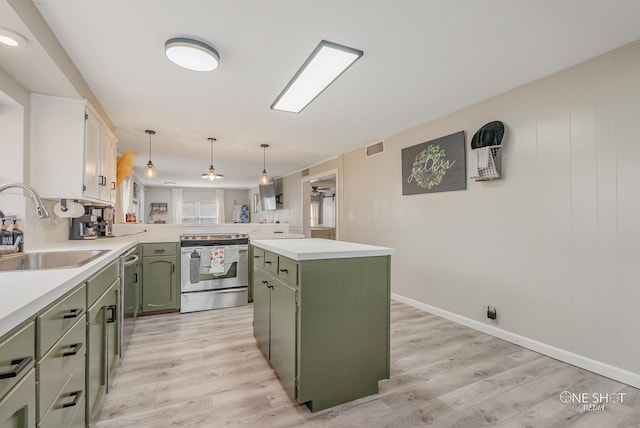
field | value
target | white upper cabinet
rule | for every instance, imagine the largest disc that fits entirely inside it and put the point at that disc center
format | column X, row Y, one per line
column 72, row 153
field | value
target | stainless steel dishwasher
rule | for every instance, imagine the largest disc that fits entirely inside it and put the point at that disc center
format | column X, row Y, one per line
column 129, row 292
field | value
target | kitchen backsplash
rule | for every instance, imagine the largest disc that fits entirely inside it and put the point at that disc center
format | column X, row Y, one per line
column 49, row 230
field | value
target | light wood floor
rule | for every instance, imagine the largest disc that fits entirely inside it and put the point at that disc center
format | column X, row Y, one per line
column 204, row 369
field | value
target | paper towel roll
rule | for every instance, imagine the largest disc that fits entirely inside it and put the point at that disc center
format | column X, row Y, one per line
column 74, row 210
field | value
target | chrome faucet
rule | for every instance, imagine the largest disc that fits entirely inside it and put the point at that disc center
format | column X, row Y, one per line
column 41, row 211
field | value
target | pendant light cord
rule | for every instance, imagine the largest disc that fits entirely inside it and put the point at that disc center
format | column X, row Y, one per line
column 211, row 157
column 150, row 132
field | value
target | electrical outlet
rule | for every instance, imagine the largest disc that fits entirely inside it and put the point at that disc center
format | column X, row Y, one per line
column 492, row 312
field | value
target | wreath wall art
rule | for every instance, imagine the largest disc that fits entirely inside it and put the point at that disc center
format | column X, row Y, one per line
column 435, row 166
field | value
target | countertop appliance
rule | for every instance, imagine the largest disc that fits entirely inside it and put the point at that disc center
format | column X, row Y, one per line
column 129, row 292
column 84, row 227
column 214, row 271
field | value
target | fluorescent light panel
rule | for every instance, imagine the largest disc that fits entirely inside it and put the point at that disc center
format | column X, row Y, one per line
column 326, row 63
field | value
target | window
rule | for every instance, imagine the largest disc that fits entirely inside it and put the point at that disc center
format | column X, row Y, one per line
column 199, row 212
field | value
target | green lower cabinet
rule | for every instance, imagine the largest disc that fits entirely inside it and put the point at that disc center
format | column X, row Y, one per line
column 160, row 289
column 18, row 406
column 262, row 310
column 324, row 325
column 102, row 348
column 283, row 333
column 69, row 405
column 57, row 366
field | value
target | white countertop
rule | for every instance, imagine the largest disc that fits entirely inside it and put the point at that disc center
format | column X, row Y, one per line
column 317, row 248
column 24, row 293
column 274, row 235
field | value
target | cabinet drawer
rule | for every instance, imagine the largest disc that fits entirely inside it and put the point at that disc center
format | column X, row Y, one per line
column 56, row 321
column 99, row 283
column 17, row 356
column 258, row 257
column 55, row 368
column 68, row 405
column 271, row 262
column 288, row 270
column 160, row 249
column 18, row 407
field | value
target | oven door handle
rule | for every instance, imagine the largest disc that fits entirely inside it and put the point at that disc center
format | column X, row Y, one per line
column 229, row 290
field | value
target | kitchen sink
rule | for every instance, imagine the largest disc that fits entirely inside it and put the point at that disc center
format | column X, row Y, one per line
column 48, row 259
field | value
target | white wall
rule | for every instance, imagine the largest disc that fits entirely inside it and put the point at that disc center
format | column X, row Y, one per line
column 234, row 197
column 154, row 195
column 554, row 244
column 290, row 212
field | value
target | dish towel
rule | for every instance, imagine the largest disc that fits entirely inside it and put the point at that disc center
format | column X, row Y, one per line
column 473, row 164
column 194, row 267
column 217, row 260
column 205, row 260
column 482, row 165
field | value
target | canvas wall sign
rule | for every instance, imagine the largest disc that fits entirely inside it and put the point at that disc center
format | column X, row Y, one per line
column 435, row 166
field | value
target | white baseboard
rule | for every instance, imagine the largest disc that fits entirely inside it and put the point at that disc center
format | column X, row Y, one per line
column 595, row 366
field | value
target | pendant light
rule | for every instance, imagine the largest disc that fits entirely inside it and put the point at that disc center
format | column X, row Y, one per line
column 264, row 177
column 149, row 169
column 211, row 173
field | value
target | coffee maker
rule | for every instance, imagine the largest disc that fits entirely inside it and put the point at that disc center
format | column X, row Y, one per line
column 96, row 222
column 85, row 226
column 105, row 221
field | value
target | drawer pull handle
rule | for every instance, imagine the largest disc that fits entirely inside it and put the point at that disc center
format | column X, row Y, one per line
column 256, row 257
column 284, row 270
column 74, row 349
column 265, row 282
column 159, row 250
column 73, row 313
column 113, row 309
column 270, row 286
column 20, row 363
column 267, row 262
column 77, row 395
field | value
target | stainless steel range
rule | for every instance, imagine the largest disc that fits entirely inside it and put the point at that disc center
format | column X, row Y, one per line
column 214, row 271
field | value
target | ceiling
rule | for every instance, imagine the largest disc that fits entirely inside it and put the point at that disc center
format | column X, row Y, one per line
column 422, row 59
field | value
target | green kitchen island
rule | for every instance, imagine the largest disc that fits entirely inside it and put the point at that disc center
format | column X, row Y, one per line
column 321, row 316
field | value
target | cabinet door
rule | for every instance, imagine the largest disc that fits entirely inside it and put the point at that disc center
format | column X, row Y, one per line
column 283, row 333
column 261, row 309
column 107, row 177
column 18, row 407
column 101, row 346
column 92, row 156
column 112, row 324
column 159, row 283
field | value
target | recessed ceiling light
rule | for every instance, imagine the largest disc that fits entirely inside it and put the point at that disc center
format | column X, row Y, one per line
column 325, row 64
column 191, row 54
column 9, row 38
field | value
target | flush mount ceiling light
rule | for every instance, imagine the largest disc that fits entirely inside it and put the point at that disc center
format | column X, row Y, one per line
column 149, row 169
column 9, row 38
column 191, row 54
column 264, row 177
column 325, row 64
column 211, row 174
